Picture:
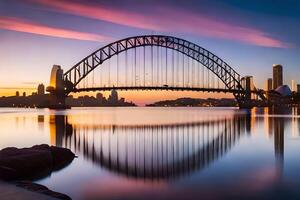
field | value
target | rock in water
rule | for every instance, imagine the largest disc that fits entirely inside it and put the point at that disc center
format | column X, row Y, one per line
column 42, row 190
column 37, row 161
column 61, row 157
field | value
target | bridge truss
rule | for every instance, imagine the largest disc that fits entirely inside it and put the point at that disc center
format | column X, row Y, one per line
column 154, row 62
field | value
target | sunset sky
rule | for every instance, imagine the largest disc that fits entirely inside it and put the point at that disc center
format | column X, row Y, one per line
column 249, row 35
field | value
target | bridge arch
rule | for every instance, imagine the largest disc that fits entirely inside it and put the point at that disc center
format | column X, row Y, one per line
column 230, row 78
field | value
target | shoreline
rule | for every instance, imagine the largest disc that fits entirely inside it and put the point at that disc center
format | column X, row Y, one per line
column 9, row 191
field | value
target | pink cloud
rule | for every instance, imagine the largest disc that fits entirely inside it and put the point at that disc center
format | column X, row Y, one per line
column 168, row 20
column 122, row 17
column 15, row 24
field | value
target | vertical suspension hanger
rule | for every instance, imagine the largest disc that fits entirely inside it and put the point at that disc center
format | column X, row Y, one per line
column 100, row 74
column 109, row 81
column 193, row 73
column 173, row 68
column 144, row 57
column 188, row 72
column 166, row 65
column 93, row 83
column 152, row 65
column 158, row 68
column 183, row 81
column 126, row 66
column 177, row 69
column 117, row 70
column 135, row 66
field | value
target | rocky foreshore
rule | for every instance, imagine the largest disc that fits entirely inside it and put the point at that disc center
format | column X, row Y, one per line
column 17, row 166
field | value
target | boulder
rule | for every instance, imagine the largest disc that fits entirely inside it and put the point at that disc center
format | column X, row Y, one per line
column 34, row 187
column 61, row 157
column 34, row 162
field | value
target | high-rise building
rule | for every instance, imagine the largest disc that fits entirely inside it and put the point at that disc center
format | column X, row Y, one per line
column 298, row 88
column 100, row 97
column 294, row 86
column 41, row 89
column 277, row 76
column 113, row 98
column 56, row 78
column 24, row 94
column 269, row 85
column 17, row 93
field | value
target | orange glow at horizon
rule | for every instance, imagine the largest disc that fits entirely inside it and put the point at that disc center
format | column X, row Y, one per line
column 12, row 91
column 146, row 97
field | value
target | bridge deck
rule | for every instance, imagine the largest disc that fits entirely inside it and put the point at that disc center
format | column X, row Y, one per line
column 196, row 89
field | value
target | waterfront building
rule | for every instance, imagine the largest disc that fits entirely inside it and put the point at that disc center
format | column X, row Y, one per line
column 269, row 84
column 17, row 93
column 41, row 89
column 122, row 100
column 277, row 76
column 56, row 78
column 113, row 97
column 284, row 91
column 100, row 97
column 294, row 86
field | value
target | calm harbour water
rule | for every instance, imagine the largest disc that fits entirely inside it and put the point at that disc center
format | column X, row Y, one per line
column 166, row 153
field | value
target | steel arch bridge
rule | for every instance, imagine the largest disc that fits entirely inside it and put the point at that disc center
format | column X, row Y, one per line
column 215, row 65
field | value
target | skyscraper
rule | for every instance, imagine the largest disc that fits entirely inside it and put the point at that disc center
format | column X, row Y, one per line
column 100, row 97
column 269, row 85
column 294, row 86
column 41, row 89
column 277, row 76
column 113, row 98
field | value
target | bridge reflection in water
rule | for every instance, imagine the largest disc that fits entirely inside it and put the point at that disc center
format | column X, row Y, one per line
column 159, row 151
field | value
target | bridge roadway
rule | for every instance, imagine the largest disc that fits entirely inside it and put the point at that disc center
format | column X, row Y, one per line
column 195, row 89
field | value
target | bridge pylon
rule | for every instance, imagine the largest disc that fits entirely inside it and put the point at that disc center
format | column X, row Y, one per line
column 56, row 89
column 248, row 86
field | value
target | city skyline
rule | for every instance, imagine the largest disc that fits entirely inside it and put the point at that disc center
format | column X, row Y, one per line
column 149, row 99
column 38, row 37
column 247, row 83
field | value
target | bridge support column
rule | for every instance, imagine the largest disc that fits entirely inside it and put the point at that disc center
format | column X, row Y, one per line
column 247, row 84
column 57, row 89
column 246, row 105
column 57, row 101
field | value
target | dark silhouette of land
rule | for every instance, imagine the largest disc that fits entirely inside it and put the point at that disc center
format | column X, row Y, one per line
column 277, row 100
column 210, row 102
column 42, row 100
